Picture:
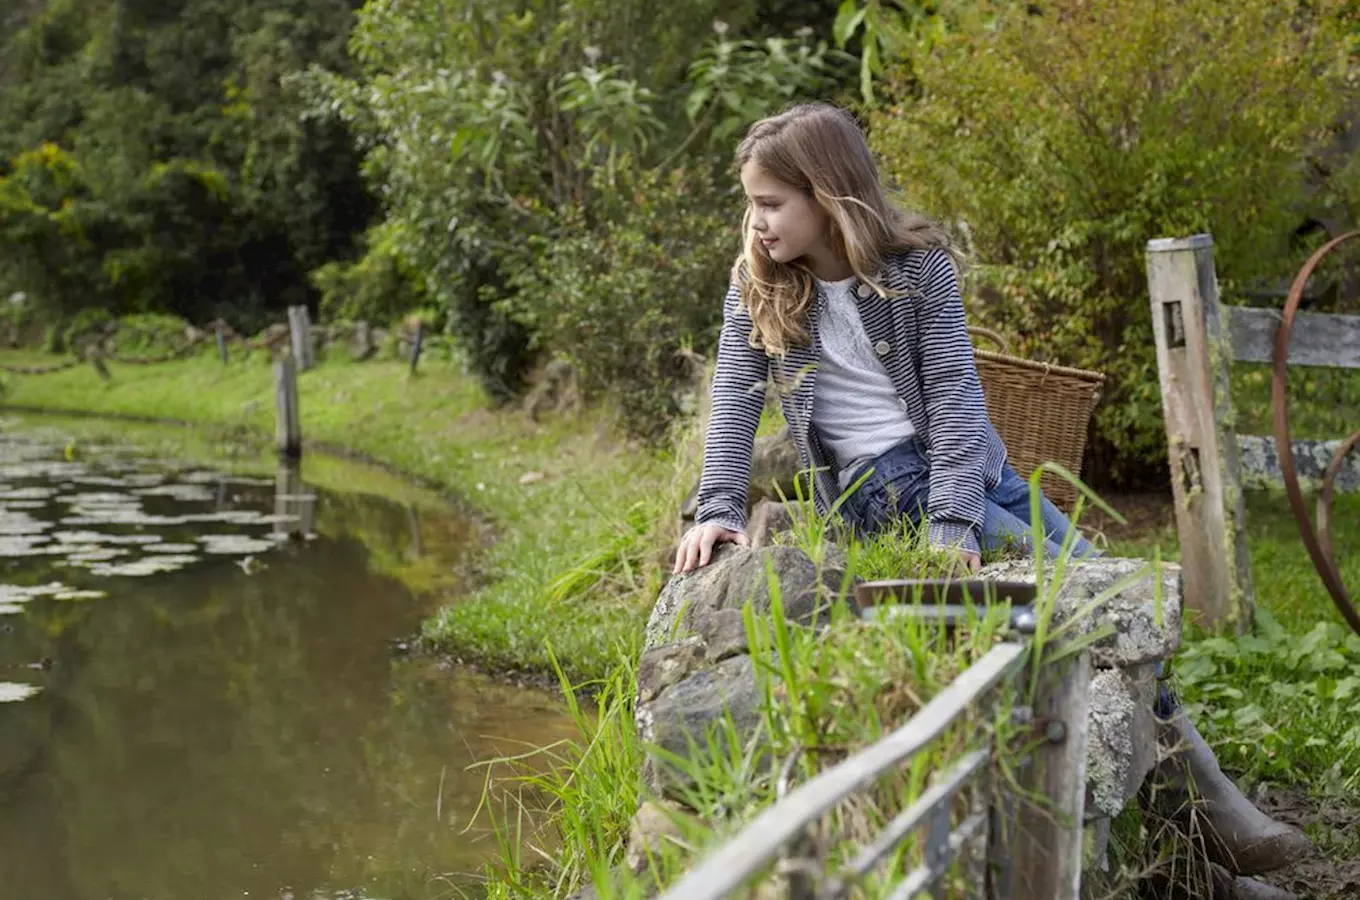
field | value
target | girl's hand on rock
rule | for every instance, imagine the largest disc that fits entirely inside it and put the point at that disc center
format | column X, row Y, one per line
column 696, row 547
column 966, row 563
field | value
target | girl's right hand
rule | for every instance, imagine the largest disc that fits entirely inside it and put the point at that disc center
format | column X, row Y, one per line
column 696, row 547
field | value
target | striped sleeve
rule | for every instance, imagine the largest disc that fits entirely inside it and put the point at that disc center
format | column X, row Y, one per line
column 738, row 396
column 957, row 413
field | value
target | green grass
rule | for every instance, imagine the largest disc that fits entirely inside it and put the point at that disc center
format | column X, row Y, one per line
column 1324, row 404
column 824, row 695
column 594, row 490
column 578, row 556
column 1282, row 705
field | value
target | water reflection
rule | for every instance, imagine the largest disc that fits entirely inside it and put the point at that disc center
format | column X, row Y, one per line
column 231, row 723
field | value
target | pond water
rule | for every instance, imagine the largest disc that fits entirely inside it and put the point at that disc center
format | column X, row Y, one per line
column 199, row 695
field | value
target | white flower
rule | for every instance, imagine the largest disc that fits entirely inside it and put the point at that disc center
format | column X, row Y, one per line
column 719, row 27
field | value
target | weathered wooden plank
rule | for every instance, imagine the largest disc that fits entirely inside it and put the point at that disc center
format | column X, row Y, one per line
column 294, row 505
column 938, row 794
column 760, row 841
column 1048, row 841
column 304, row 342
column 921, row 878
column 1316, row 339
column 287, row 423
column 1261, row 463
column 1192, row 363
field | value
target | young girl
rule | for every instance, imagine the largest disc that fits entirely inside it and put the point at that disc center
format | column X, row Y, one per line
column 850, row 309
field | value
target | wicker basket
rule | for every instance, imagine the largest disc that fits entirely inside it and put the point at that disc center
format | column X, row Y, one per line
column 1042, row 412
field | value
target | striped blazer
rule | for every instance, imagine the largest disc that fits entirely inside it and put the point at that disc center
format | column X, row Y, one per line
column 923, row 343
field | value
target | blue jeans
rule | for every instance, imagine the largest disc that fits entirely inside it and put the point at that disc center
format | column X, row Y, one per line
column 899, row 487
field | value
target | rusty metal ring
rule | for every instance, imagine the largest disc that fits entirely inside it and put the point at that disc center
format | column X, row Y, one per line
column 1320, row 553
column 1324, row 506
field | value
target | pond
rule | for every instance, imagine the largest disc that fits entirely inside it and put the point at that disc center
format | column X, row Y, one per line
column 201, row 694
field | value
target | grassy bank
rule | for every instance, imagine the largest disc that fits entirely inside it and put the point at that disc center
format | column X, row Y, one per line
column 563, row 495
column 574, row 520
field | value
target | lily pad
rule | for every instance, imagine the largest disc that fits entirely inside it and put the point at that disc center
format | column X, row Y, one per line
column 80, row 595
column 14, row 691
column 234, row 544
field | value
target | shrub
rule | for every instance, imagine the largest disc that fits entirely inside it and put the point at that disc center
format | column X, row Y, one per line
column 631, row 284
column 72, row 335
column 379, row 287
column 490, row 126
column 1067, row 135
column 150, row 334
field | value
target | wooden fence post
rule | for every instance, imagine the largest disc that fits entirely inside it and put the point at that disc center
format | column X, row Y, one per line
column 293, row 502
column 1193, row 359
column 415, row 347
column 300, row 328
column 288, row 424
column 1046, row 852
column 222, row 344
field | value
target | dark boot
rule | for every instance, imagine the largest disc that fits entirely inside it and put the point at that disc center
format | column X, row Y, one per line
column 1235, row 833
column 1250, row 889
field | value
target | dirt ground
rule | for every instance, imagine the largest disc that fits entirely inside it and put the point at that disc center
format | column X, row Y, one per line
column 1318, row 878
column 1148, row 514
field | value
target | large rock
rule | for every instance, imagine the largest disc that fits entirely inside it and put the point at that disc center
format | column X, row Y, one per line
column 1146, row 629
column 707, row 602
column 363, row 344
column 1121, row 744
column 695, row 665
column 774, row 463
column 769, row 519
column 652, row 829
column 687, row 715
column 774, row 466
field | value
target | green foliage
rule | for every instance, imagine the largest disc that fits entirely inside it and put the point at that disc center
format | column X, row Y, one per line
column 152, row 159
column 378, row 287
column 495, row 130
column 886, row 29
column 150, row 335
column 71, row 336
column 630, row 285
column 587, row 787
column 1280, row 705
column 733, row 83
column 1063, row 138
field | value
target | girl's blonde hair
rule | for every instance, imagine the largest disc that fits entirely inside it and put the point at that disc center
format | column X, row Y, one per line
column 820, row 149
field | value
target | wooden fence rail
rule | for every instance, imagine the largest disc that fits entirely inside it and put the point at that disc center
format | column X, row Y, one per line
column 986, row 834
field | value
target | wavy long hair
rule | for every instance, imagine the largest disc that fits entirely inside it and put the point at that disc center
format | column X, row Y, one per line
column 820, row 149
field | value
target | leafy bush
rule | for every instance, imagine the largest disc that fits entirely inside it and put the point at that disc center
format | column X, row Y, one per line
column 631, row 284
column 71, row 335
column 490, row 127
column 1067, row 135
column 378, row 287
column 153, row 160
column 150, row 334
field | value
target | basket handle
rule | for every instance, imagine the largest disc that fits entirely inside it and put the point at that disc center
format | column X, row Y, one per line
column 995, row 338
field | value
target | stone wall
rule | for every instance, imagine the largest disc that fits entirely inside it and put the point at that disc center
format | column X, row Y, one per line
column 696, row 661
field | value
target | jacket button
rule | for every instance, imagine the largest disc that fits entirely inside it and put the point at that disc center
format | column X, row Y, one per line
column 882, row 348
column 864, row 291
